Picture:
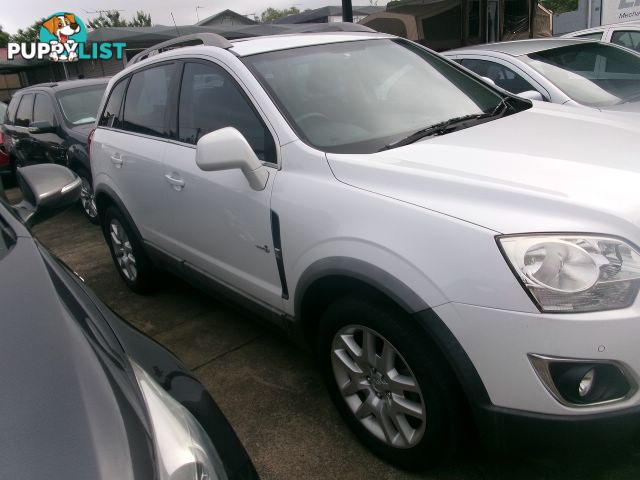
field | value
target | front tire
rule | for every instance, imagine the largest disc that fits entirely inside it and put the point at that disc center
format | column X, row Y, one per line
column 390, row 383
column 128, row 255
column 88, row 198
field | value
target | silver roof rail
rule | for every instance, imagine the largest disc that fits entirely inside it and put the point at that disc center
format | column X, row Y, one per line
column 209, row 39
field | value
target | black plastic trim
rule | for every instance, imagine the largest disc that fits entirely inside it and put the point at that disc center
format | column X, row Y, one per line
column 277, row 248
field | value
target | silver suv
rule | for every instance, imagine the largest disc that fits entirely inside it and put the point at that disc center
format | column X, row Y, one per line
column 456, row 257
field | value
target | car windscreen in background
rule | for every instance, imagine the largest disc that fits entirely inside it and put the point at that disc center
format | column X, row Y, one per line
column 80, row 105
column 592, row 74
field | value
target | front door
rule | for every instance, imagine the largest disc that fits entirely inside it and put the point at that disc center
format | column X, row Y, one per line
column 215, row 221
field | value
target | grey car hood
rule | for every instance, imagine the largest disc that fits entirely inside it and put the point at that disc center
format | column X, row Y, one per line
column 543, row 169
column 67, row 408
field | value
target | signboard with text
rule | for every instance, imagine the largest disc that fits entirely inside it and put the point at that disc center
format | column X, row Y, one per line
column 615, row 11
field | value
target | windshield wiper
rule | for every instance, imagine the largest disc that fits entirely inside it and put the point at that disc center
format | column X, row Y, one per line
column 451, row 125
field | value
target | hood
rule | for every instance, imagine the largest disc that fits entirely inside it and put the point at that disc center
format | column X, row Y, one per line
column 549, row 168
column 68, row 406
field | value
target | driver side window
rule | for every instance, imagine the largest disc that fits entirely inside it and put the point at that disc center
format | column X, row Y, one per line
column 209, row 100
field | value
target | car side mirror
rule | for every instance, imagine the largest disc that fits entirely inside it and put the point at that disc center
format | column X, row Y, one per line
column 225, row 149
column 46, row 188
column 42, row 127
column 532, row 95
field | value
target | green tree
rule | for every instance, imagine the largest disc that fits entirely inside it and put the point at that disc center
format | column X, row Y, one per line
column 271, row 14
column 112, row 18
column 141, row 19
column 560, row 6
column 4, row 38
column 29, row 34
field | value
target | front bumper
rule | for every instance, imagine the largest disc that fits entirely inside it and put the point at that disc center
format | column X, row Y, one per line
column 504, row 429
column 513, row 401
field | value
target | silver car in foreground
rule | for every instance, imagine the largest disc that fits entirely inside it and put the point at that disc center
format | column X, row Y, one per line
column 560, row 70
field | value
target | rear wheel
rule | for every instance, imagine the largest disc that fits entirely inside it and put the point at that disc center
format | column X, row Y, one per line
column 87, row 197
column 127, row 252
column 390, row 383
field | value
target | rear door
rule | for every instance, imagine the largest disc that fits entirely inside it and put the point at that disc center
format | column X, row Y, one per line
column 214, row 220
column 131, row 141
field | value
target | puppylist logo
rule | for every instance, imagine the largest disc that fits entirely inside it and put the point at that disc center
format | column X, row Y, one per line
column 63, row 38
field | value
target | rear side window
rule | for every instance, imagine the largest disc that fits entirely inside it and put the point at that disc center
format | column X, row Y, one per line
column 146, row 102
column 591, row 36
column 11, row 111
column 43, row 110
column 111, row 114
column 627, row 38
column 209, row 100
column 24, row 115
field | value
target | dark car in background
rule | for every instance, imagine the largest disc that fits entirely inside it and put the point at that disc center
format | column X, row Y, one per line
column 50, row 123
column 84, row 394
column 5, row 167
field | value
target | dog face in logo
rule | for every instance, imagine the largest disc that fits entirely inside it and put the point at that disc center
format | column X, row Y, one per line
column 62, row 26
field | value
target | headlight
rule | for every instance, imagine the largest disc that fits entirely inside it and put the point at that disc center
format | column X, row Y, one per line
column 574, row 273
column 184, row 450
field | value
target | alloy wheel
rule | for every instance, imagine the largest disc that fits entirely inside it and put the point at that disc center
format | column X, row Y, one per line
column 378, row 386
column 88, row 198
column 123, row 250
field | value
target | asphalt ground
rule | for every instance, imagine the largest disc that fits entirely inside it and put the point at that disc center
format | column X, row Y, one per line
column 271, row 391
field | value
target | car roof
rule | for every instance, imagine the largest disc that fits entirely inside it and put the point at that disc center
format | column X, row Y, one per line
column 517, row 48
column 67, row 84
column 254, row 45
column 601, row 28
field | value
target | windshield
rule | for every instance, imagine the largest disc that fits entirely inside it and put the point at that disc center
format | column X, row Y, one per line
column 357, row 97
column 592, row 74
column 80, row 105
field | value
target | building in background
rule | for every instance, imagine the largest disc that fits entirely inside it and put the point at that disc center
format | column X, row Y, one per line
column 446, row 24
column 226, row 17
column 329, row 14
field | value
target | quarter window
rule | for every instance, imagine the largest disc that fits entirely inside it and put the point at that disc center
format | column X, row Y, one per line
column 111, row 114
column 43, row 110
column 503, row 76
column 146, row 102
column 25, row 111
column 209, row 100
column 627, row 38
column 591, row 36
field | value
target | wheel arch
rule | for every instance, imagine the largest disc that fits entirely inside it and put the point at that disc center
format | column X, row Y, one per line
column 106, row 197
column 334, row 278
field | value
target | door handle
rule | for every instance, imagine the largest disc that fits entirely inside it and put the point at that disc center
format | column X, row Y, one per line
column 177, row 183
column 116, row 160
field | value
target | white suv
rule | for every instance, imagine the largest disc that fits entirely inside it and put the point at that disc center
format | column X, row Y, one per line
column 444, row 248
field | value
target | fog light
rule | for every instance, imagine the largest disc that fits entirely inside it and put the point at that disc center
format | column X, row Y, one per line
column 576, row 382
column 586, row 384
